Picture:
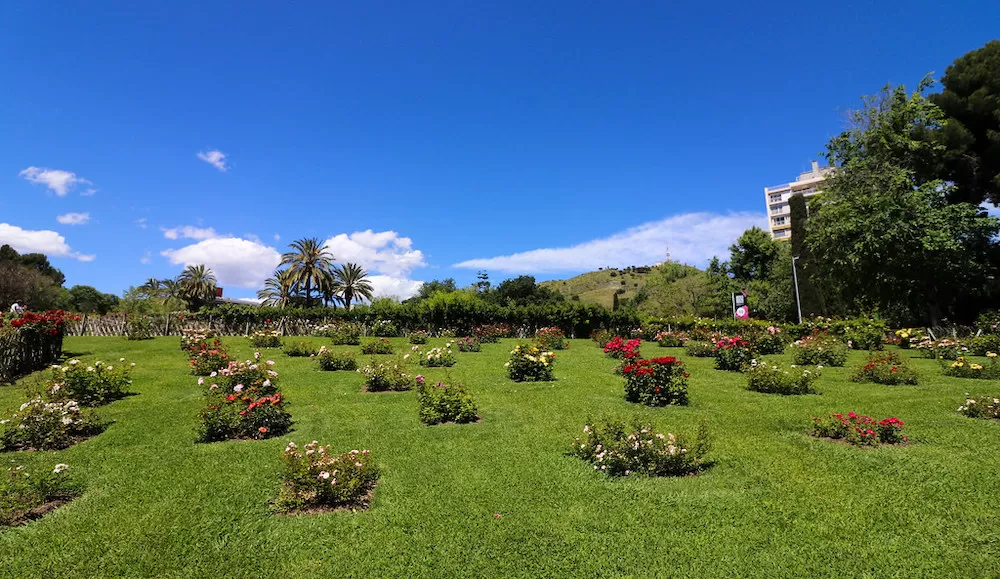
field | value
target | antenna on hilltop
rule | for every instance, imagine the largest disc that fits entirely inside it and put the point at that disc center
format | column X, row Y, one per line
column 667, row 259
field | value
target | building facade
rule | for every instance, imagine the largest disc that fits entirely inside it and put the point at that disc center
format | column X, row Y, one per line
column 779, row 217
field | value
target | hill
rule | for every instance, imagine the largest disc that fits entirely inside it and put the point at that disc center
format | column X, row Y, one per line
column 599, row 287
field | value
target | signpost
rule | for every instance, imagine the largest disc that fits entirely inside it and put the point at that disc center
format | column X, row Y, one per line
column 741, row 311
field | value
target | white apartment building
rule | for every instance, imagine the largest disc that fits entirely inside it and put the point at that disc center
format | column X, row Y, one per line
column 779, row 216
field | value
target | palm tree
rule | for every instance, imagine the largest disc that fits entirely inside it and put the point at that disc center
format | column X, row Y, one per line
column 310, row 263
column 151, row 288
column 197, row 285
column 278, row 289
column 353, row 283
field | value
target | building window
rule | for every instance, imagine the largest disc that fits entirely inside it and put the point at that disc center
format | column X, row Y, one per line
column 775, row 198
column 779, row 220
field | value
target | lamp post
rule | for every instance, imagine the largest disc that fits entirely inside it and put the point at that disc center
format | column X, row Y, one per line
column 795, row 278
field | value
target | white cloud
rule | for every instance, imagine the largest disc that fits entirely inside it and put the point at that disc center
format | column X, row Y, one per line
column 691, row 237
column 386, row 286
column 188, row 232
column 215, row 158
column 384, row 252
column 251, row 237
column 38, row 241
column 59, row 181
column 146, row 258
column 277, row 237
column 74, row 218
column 235, row 261
column 141, row 222
column 88, row 192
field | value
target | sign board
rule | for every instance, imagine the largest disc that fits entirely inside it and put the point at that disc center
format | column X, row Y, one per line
column 741, row 310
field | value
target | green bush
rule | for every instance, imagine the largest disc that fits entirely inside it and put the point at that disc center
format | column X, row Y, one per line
column 965, row 368
column 266, row 338
column 529, row 363
column 732, row 354
column 385, row 329
column 344, row 334
column 380, row 346
column 984, row 344
column 770, row 378
column 445, row 403
column 885, row 368
column 469, row 344
column 981, row 406
column 386, row 376
column 671, row 339
column 655, row 382
column 551, row 339
column 300, row 349
column 23, row 492
column 700, row 349
column 435, row 357
column 318, row 479
column 418, row 337
column 208, row 358
column 333, row 361
column 193, row 338
column 617, row 449
column 819, row 349
column 138, row 327
column 601, row 337
column 89, row 384
column 41, row 425
column 242, row 415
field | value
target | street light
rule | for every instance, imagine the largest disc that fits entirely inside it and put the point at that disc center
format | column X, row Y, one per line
column 795, row 278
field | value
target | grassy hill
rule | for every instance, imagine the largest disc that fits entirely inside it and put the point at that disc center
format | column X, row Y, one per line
column 599, row 287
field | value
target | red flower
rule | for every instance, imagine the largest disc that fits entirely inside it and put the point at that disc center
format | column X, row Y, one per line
column 263, row 430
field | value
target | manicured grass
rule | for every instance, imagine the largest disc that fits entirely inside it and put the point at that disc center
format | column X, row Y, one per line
column 775, row 503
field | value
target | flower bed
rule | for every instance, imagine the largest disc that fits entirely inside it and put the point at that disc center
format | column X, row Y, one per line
column 907, row 337
column 469, row 344
column 887, row 368
column 770, row 378
column 859, row 430
column 700, row 349
column 530, row 364
column 671, row 339
column 329, row 361
column 981, row 406
column 732, row 353
column 386, row 376
column 342, row 334
column 300, row 349
column 765, row 341
column 260, row 377
column 243, row 402
column 621, row 349
column 266, row 338
column 418, row 337
column 442, row 402
column 89, row 384
column 30, row 342
column 617, row 449
column 819, row 349
column 435, row 357
column 965, row 368
column 385, row 329
column 601, row 337
column 380, row 346
column 193, row 338
column 208, row 358
column 317, row 479
column 138, row 327
column 491, row 333
column 945, row 349
column 551, row 339
column 41, row 425
column 656, row 382
column 30, row 495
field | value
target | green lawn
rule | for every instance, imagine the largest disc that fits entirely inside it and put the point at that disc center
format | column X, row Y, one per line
column 775, row 503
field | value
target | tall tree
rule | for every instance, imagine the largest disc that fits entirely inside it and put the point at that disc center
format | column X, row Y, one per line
column 352, row 283
column 311, row 265
column 754, row 254
column 971, row 134
column 197, row 284
column 884, row 236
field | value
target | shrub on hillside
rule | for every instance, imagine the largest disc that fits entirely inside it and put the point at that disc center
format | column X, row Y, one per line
column 330, row 361
column 770, row 378
column 319, row 479
column 23, row 492
column 386, row 376
column 379, row 346
column 89, row 383
column 384, row 329
column 444, row 403
column 618, row 449
column 819, row 349
column 859, row 430
column 530, row 364
column 887, row 368
column 655, row 382
column 41, row 425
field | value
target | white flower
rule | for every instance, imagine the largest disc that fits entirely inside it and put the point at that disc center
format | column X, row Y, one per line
column 60, row 468
column 324, row 475
column 238, row 388
column 201, row 381
column 214, row 374
column 121, row 359
column 74, row 362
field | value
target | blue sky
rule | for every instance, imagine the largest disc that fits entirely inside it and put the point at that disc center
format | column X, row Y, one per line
column 428, row 140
